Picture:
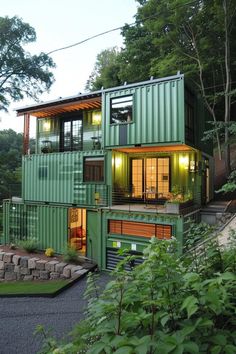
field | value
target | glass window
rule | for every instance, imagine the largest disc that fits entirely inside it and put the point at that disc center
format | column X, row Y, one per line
column 121, row 109
column 94, row 169
column 71, row 138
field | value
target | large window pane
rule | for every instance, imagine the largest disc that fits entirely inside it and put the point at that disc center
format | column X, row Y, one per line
column 121, row 109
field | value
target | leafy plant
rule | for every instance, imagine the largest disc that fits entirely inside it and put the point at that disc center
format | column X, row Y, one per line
column 161, row 306
column 30, row 244
column 49, row 252
column 197, row 232
column 230, row 185
column 71, row 255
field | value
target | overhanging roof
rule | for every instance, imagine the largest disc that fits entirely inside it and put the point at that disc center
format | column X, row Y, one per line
column 70, row 104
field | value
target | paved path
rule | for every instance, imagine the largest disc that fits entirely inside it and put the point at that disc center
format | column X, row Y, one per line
column 20, row 316
column 224, row 234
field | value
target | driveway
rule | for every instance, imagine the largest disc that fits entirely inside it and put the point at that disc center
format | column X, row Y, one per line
column 20, row 316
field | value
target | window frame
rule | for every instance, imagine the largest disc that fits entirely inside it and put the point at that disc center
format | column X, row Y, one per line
column 101, row 158
column 131, row 95
column 70, row 119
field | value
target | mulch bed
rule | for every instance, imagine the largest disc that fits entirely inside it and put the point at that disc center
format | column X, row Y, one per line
column 21, row 252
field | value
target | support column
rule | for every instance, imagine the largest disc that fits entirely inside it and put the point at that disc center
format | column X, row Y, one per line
column 26, row 134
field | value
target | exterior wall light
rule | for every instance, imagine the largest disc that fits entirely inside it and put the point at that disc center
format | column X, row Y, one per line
column 118, row 162
column 46, row 126
column 184, row 162
column 192, row 166
column 96, row 118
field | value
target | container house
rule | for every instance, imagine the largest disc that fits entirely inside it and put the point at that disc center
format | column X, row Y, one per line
column 113, row 168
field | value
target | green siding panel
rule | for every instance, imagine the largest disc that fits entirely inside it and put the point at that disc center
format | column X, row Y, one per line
column 94, row 240
column 58, row 178
column 47, row 224
column 158, row 114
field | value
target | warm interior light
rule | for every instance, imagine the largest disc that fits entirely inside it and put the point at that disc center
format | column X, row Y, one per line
column 192, row 166
column 96, row 118
column 118, row 161
column 46, row 126
column 184, row 161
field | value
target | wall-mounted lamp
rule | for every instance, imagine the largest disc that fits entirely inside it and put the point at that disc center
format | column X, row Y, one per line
column 118, row 162
column 46, row 126
column 184, row 161
column 96, row 118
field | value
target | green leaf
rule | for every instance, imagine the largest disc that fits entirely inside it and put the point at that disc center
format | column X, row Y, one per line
column 191, row 347
column 124, row 350
column 216, row 349
column 219, row 339
column 230, row 349
column 190, row 304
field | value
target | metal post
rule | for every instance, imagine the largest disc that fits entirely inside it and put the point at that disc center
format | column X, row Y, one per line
column 26, row 134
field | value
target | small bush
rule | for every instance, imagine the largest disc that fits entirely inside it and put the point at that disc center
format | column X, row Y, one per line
column 71, row 255
column 30, row 245
column 49, row 252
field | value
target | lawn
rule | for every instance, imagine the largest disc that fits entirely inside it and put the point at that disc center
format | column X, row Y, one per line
column 29, row 288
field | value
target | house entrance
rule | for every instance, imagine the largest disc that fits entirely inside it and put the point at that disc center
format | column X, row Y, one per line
column 77, row 229
column 151, row 178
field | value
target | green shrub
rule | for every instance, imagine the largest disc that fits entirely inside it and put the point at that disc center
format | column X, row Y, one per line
column 71, row 255
column 30, row 244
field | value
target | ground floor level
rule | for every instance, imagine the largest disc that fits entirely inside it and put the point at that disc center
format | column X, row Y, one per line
column 96, row 233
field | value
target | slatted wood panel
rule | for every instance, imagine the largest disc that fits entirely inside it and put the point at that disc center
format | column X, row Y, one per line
column 122, row 227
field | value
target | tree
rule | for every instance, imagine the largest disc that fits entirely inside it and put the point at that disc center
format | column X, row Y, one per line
column 106, row 70
column 194, row 37
column 21, row 74
column 166, row 305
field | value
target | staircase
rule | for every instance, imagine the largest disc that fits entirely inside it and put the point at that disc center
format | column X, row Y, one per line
column 215, row 212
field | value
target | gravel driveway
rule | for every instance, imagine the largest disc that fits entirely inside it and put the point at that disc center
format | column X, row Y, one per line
column 20, row 316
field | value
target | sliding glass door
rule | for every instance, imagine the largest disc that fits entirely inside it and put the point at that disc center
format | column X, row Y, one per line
column 150, row 177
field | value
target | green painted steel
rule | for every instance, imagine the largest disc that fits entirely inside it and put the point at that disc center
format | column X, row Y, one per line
column 110, row 241
column 47, row 224
column 94, row 236
column 53, row 227
column 158, row 114
column 58, row 178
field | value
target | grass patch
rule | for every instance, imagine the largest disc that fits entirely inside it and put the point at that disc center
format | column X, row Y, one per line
column 29, row 288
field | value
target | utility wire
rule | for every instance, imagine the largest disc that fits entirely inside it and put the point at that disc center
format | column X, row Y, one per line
column 116, row 29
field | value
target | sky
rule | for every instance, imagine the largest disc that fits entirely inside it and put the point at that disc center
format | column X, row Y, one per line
column 59, row 23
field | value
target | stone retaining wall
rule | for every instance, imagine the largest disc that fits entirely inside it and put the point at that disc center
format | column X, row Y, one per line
column 14, row 267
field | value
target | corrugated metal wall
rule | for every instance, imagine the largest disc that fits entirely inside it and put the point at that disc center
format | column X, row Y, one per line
column 47, row 224
column 158, row 114
column 58, row 178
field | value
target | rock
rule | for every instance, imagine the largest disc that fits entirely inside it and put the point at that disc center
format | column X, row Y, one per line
column 75, row 269
column 2, row 265
column 60, row 266
column 10, row 276
column 78, row 273
column 50, row 266
column 16, row 259
column 40, row 264
column 67, row 271
column 2, row 274
column 19, row 276
column 54, row 275
column 24, row 262
column 35, row 273
column 7, row 258
column 17, row 269
column 28, row 278
column 9, row 267
column 1, row 255
column 24, row 271
column 43, row 275
column 32, row 263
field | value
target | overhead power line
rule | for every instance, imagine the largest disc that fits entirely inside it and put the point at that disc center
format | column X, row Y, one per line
column 115, row 29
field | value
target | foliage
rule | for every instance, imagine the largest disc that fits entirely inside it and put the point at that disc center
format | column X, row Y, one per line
column 70, row 255
column 197, row 232
column 49, row 252
column 29, row 244
column 230, row 185
column 106, row 70
column 162, row 306
column 22, row 74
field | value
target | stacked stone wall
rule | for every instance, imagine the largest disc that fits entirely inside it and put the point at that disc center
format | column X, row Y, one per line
column 15, row 267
